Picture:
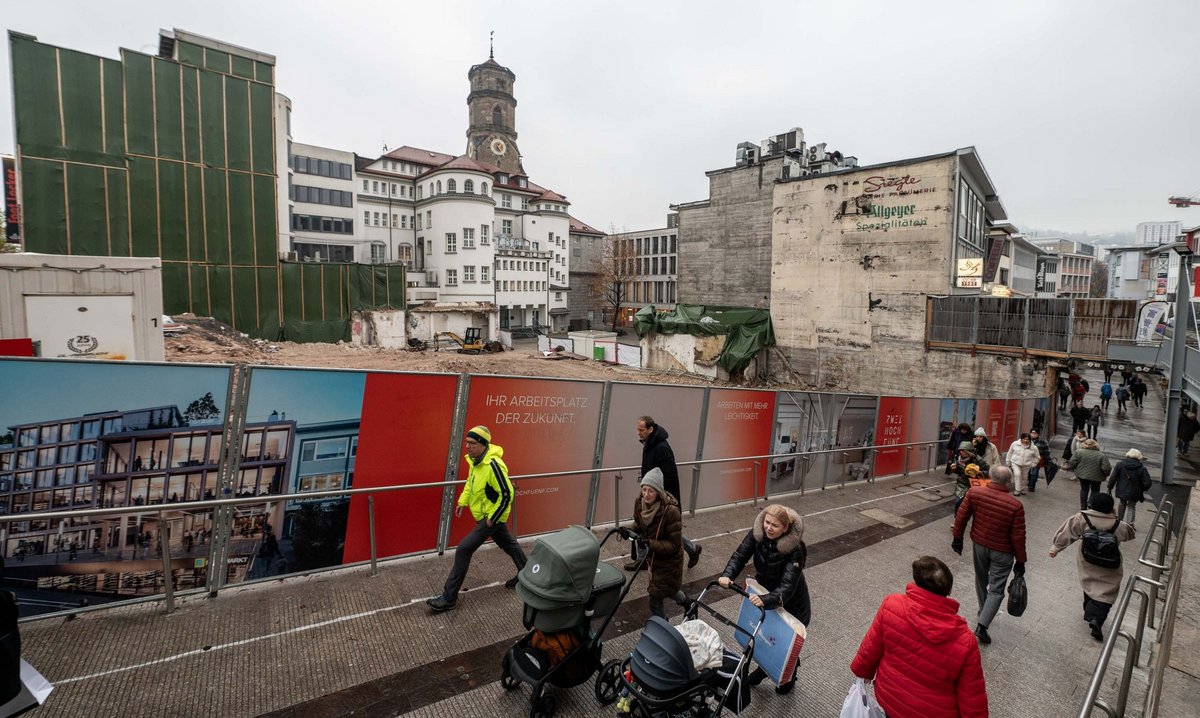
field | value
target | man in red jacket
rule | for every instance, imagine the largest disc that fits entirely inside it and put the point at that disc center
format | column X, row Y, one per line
column 998, row 533
column 921, row 653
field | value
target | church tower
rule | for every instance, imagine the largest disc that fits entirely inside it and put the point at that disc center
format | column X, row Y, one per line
column 492, row 134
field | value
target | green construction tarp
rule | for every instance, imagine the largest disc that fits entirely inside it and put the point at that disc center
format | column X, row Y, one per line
column 318, row 297
column 747, row 331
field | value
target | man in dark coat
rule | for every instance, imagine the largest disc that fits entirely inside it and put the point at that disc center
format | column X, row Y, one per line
column 1188, row 427
column 1131, row 481
column 1138, row 390
column 657, row 454
column 1079, row 417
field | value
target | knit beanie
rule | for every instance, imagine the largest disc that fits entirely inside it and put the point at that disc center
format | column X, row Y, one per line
column 1102, row 503
column 654, row 479
column 481, row 434
column 980, row 432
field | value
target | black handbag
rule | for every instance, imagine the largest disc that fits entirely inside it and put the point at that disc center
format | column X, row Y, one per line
column 1018, row 596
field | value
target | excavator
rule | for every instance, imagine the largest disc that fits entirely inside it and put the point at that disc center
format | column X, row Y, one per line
column 472, row 343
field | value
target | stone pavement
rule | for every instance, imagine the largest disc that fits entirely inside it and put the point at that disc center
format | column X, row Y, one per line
column 347, row 643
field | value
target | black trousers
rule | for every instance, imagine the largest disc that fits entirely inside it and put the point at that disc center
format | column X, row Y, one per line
column 1094, row 610
column 1087, row 489
column 497, row 532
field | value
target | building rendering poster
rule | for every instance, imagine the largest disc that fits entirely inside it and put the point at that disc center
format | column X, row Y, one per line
column 80, row 435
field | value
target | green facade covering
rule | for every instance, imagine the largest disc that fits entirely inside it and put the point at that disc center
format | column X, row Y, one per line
column 747, row 331
column 174, row 158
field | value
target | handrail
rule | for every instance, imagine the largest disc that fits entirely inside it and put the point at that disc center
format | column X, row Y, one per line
column 338, row 493
column 1091, row 701
column 219, row 560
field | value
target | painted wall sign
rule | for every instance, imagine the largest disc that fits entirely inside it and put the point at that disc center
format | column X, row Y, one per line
column 972, row 267
column 890, row 218
column 894, row 186
column 12, row 211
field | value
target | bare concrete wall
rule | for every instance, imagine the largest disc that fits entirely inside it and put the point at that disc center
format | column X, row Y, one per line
column 725, row 246
column 853, row 258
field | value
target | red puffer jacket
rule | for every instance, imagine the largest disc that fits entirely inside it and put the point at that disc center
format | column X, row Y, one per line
column 999, row 520
column 923, row 657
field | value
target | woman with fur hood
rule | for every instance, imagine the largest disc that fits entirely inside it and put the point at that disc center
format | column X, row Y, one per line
column 776, row 546
column 657, row 519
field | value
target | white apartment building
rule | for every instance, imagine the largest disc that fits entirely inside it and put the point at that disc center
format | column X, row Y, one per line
column 321, row 205
column 1129, row 275
column 1158, row 233
column 1074, row 265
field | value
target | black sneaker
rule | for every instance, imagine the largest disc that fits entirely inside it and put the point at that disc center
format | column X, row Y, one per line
column 512, row 582
column 1096, row 632
column 695, row 558
column 439, row 604
column 786, row 687
column 982, row 634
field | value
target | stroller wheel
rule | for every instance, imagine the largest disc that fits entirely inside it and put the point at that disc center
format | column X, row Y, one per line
column 543, row 707
column 608, row 683
column 506, row 677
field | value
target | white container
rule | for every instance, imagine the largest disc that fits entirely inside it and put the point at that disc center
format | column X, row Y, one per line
column 585, row 341
column 83, row 307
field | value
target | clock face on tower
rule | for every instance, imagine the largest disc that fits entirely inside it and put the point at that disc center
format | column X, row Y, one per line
column 498, row 147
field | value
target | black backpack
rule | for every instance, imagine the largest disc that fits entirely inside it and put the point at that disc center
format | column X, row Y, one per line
column 1100, row 546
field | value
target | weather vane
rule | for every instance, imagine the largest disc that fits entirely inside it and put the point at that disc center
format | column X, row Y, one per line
column 492, row 45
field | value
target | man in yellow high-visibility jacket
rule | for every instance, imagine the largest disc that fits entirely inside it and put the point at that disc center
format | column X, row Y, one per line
column 489, row 495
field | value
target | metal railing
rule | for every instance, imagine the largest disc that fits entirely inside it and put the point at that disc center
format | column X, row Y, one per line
column 218, row 549
column 1146, row 589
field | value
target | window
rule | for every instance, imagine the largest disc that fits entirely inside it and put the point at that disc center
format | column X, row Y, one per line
column 395, row 220
column 375, row 186
column 404, row 221
column 324, row 168
column 451, row 277
column 483, row 188
column 317, row 195
column 483, row 234
column 558, row 296
column 323, row 449
column 439, row 186
column 506, row 227
column 365, row 182
column 451, row 243
column 418, row 220
column 378, row 253
column 393, row 188
column 451, row 186
column 483, row 274
column 673, row 244
column 429, row 218
column 420, row 192
column 524, row 203
column 469, row 273
column 469, row 186
column 468, row 239
column 376, row 219
column 506, row 200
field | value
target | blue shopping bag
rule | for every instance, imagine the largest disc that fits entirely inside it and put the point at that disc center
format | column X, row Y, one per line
column 779, row 641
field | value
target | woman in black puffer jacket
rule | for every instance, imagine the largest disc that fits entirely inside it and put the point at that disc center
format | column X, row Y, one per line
column 776, row 546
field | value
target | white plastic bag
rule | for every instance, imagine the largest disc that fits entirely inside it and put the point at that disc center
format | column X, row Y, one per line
column 860, row 703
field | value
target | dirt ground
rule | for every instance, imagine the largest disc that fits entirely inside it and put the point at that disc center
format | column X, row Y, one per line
column 206, row 340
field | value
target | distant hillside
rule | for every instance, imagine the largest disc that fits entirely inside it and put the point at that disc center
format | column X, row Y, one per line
column 1109, row 239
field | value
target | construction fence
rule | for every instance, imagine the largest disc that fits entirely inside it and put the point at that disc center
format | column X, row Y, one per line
column 173, row 157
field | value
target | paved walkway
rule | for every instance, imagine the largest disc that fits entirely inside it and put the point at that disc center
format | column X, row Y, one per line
column 346, row 643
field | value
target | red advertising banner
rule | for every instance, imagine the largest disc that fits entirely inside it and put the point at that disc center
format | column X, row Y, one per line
column 993, row 422
column 400, row 443
column 1012, row 424
column 893, row 426
column 543, row 425
column 676, row 409
column 740, row 423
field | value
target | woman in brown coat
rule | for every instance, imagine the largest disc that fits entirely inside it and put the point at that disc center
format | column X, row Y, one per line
column 658, row 521
column 1100, row 584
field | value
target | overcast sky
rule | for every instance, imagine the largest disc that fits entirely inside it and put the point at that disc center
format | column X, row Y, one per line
column 1083, row 111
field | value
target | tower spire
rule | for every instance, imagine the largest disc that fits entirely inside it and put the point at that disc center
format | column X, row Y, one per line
column 492, row 45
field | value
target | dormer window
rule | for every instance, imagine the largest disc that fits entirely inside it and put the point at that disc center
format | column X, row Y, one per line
column 502, row 178
column 522, row 182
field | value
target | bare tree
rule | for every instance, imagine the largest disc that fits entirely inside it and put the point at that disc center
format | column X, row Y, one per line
column 615, row 274
column 1099, row 287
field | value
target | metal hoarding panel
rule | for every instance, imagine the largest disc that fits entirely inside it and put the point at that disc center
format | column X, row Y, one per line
column 676, row 409
column 86, row 209
column 543, row 426
column 1049, row 324
column 893, row 426
column 740, row 423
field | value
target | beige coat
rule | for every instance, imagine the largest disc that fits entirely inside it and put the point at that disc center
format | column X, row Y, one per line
column 1099, row 583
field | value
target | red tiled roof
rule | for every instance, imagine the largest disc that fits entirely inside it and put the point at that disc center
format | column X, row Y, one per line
column 419, row 156
column 462, row 162
column 552, row 196
column 580, row 227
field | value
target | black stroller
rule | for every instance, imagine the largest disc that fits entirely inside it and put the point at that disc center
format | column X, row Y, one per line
column 659, row 679
column 563, row 587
